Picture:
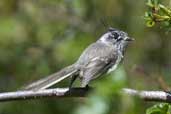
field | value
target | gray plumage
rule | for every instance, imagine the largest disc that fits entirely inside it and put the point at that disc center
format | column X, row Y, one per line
column 100, row 57
column 95, row 60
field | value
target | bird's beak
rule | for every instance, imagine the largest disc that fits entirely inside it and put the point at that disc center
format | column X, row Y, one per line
column 129, row 39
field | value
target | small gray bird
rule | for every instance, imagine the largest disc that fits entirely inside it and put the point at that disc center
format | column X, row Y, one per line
column 100, row 57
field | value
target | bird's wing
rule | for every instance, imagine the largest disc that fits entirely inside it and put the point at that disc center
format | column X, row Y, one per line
column 96, row 57
column 99, row 66
column 96, row 67
column 95, row 50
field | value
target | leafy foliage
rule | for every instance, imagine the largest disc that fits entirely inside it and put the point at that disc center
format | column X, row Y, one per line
column 157, row 13
column 162, row 108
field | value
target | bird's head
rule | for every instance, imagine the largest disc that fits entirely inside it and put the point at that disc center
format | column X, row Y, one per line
column 113, row 36
column 116, row 38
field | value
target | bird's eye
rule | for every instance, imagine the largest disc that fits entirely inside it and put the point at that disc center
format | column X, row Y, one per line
column 115, row 35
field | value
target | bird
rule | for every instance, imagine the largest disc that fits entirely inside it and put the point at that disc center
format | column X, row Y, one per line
column 100, row 57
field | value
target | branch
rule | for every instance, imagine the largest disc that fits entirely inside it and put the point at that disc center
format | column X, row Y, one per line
column 29, row 94
column 80, row 92
column 149, row 95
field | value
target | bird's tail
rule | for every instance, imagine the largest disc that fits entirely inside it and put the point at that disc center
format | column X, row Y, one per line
column 52, row 79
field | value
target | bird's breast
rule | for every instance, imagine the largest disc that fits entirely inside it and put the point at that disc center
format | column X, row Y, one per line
column 116, row 64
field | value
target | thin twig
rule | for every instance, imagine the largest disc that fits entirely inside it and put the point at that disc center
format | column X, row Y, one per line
column 149, row 95
column 57, row 92
column 80, row 92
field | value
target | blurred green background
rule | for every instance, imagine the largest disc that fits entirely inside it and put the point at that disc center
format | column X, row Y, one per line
column 39, row 37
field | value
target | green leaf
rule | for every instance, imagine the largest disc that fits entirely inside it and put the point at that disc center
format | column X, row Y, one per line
column 148, row 14
column 149, row 3
column 162, row 108
column 150, row 23
column 156, row 2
